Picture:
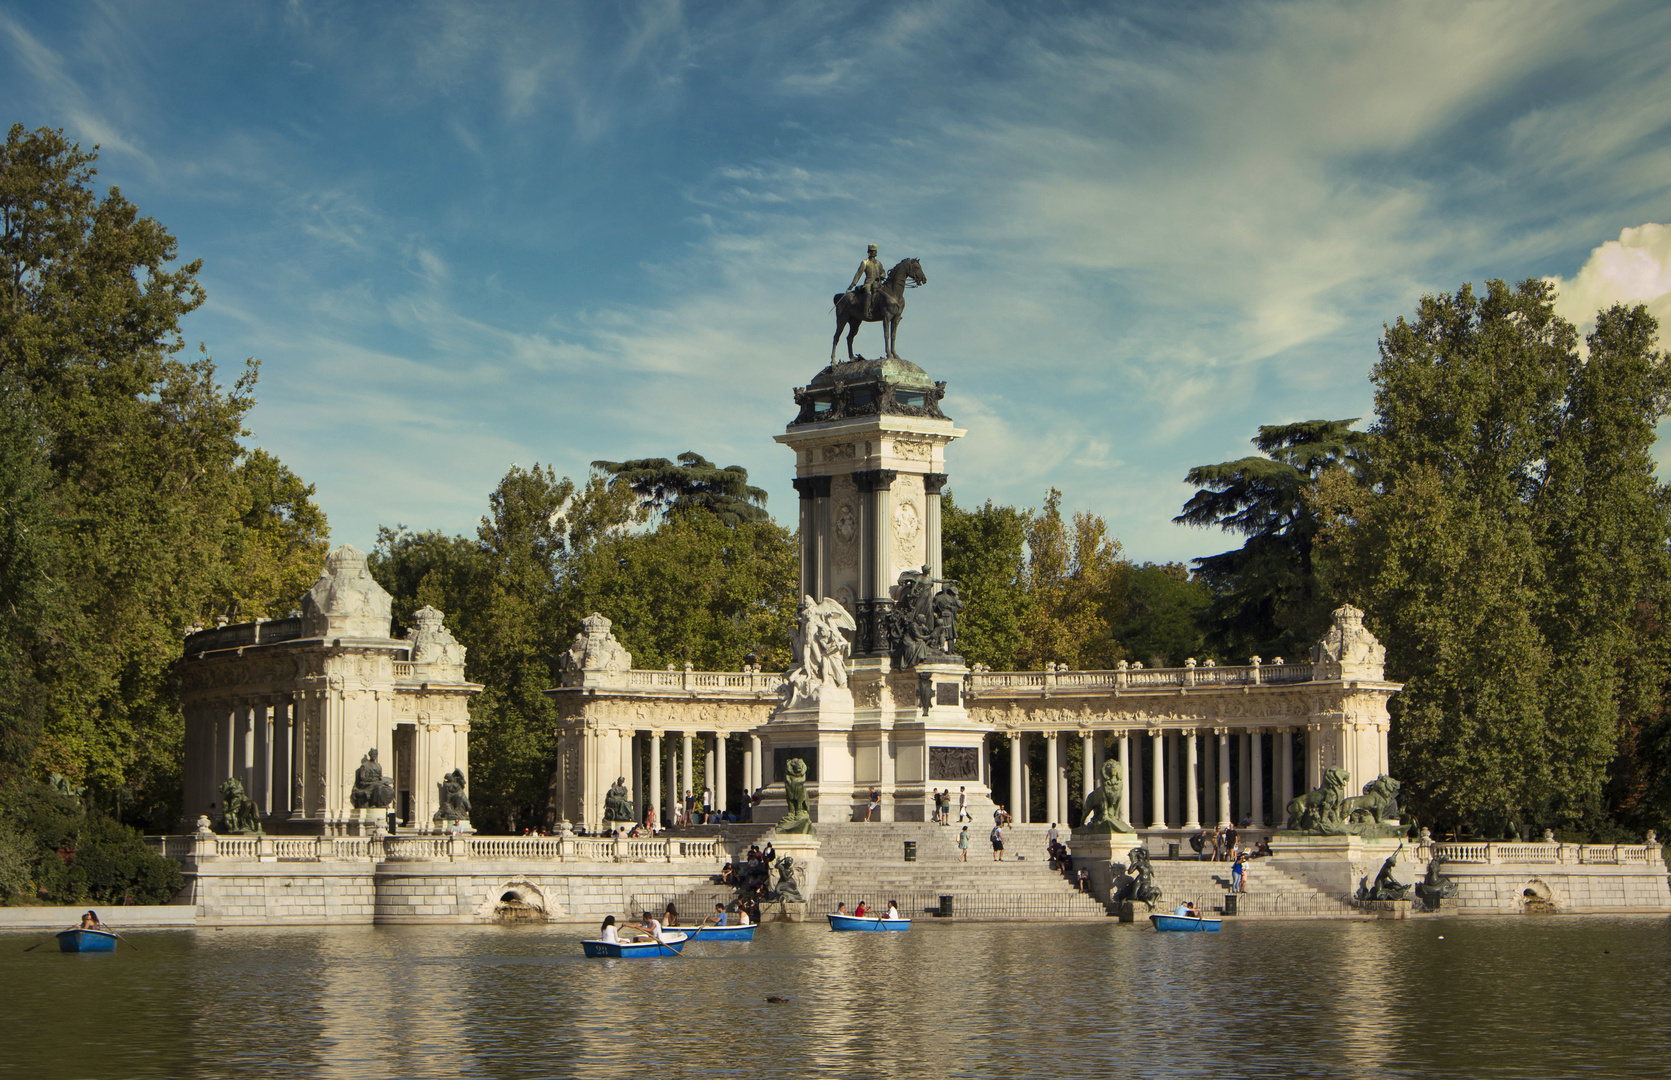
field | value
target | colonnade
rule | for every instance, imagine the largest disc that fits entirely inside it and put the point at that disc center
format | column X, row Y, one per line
column 643, row 750
column 1175, row 779
column 261, row 740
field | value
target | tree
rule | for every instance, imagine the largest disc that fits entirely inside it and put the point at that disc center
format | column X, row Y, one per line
column 1069, row 578
column 1266, row 594
column 274, row 545
column 694, row 483
column 1163, row 611
column 983, row 552
column 1504, row 537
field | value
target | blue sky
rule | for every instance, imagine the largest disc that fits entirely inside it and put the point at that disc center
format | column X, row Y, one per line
column 461, row 236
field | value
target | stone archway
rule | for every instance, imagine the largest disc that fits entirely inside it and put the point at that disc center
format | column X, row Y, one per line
column 517, row 900
column 1535, row 897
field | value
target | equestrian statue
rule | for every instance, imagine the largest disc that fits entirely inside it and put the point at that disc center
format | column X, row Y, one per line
column 874, row 298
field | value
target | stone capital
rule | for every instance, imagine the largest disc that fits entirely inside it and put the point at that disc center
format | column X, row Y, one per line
column 875, row 479
column 933, row 482
column 813, row 487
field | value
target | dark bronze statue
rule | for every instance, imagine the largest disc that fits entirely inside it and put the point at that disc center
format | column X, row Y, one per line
column 922, row 625
column 883, row 303
column 1102, row 806
column 1137, row 882
column 238, row 813
column 617, row 805
column 455, row 806
column 1385, row 887
column 787, row 890
column 798, row 819
column 1435, row 887
column 372, row 791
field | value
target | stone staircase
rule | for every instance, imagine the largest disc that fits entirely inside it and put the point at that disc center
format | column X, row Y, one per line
column 1270, row 892
column 866, row 861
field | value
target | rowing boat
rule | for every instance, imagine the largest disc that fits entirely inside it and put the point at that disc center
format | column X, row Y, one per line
column 79, row 940
column 723, row 933
column 672, row 942
column 1184, row 922
column 853, row 922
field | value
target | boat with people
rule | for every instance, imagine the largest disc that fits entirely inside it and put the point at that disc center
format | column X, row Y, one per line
column 1184, row 922
column 867, row 922
column 710, row 932
column 670, row 943
column 80, row 940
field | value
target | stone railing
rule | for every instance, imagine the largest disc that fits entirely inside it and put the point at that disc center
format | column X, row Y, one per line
column 1045, row 683
column 665, row 849
column 1494, row 853
column 749, row 682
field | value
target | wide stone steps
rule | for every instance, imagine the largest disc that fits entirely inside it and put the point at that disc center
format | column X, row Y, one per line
column 1269, row 892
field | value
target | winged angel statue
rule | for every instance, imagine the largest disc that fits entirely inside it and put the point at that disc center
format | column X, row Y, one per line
column 822, row 649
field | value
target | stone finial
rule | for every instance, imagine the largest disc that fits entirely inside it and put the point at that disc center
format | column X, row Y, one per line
column 346, row 601
column 595, row 658
column 1349, row 650
column 432, row 643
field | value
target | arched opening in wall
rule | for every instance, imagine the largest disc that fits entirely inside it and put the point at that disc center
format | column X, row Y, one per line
column 1537, row 898
column 515, row 901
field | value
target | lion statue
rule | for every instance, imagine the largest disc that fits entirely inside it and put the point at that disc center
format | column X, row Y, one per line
column 1102, row 806
column 1319, row 810
column 1377, row 804
column 238, row 813
column 798, row 818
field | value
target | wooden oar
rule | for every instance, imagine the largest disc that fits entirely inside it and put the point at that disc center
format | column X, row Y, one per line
column 120, row 938
column 54, row 937
column 656, row 938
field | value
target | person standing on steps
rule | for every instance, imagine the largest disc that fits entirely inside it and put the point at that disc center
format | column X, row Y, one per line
column 997, row 843
column 963, row 845
column 875, row 802
column 963, row 813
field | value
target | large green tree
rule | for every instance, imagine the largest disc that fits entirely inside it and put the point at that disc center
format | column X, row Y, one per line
column 1505, row 537
column 983, row 551
column 694, row 483
column 1070, row 578
column 1267, row 595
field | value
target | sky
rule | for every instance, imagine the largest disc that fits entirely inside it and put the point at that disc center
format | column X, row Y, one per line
column 460, row 237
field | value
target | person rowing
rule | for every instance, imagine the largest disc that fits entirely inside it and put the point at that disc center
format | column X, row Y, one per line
column 653, row 927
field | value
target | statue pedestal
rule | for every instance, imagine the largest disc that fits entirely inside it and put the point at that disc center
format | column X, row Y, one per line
column 1096, row 852
column 783, row 911
column 818, row 733
column 1387, row 909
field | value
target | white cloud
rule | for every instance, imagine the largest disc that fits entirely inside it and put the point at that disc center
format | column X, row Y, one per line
column 1634, row 269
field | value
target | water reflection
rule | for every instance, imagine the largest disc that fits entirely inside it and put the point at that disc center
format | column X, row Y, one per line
column 1496, row 997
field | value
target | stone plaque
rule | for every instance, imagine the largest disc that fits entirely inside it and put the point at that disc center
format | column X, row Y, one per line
column 953, row 763
column 946, row 693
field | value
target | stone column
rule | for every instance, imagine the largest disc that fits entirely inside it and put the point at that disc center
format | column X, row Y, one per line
column 1174, row 777
column 1018, row 750
column 932, row 484
column 262, row 735
column 1134, row 778
column 671, row 779
column 815, row 535
column 1062, row 784
column 722, row 786
column 1052, row 778
column 1285, row 774
column 652, row 787
column 1088, row 773
column 1124, row 752
column 282, row 739
column 885, row 763
column 298, row 757
column 1192, row 807
column 1223, row 777
column 757, row 767
column 709, row 773
column 690, row 766
column 1157, row 782
column 1244, row 798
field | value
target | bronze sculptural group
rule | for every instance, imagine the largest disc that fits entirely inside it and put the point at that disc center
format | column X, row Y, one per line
column 455, row 806
column 238, row 812
column 372, row 790
column 1434, row 888
column 617, row 805
column 873, row 298
column 1384, row 887
column 1102, row 805
column 1136, row 880
column 1326, row 811
column 822, row 647
column 922, row 625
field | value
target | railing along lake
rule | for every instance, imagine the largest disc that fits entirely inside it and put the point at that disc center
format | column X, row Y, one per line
column 596, row 849
column 1496, row 853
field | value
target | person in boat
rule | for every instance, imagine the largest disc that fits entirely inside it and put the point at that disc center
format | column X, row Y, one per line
column 609, row 933
column 1181, row 909
column 742, row 915
column 671, row 916
column 90, row 921
column 719, row 915
column 893, row 910
column 859, row 912
column 652, row 927
column 841, row 908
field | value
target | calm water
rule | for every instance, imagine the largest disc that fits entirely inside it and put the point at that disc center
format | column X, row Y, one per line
column 1556, row 997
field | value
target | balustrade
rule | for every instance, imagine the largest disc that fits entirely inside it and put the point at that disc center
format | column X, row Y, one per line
column 438, row 848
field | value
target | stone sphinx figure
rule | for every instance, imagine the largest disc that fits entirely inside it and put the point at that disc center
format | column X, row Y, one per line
column 238, row 813
column 1102, row 806
column 454, row 805
column 798, row 819
column 617, row 805
column 372, row 790
column 787, row 890
column 1385, row 887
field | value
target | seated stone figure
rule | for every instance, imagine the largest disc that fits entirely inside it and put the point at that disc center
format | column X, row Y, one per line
column 454, row 805
column 787, row 889
column 372, row 790
column 617, row 805
column 1384, row 888
column 1138, row 882
column 1435, row 886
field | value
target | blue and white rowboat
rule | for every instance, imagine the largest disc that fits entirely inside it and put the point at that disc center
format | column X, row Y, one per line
column 723, row 933
column 86, row 941
column 1184, row 922
column 671, row 944
column 851, row 922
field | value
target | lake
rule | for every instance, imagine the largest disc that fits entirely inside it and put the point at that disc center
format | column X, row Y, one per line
column 1453, row 997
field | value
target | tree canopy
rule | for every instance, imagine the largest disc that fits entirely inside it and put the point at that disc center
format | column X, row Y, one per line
column 695, row 483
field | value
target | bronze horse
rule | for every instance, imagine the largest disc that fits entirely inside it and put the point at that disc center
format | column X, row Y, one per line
column 890, row 305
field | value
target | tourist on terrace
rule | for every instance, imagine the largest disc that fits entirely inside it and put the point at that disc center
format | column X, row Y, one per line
column 1238, row 875
column 1262, row 848
column 963, row 845
column 997, row 843
column 875, row 802
column 609, row 933
column 1052, row 837
column 769, row 856
column 963, row 805
column 650, row 820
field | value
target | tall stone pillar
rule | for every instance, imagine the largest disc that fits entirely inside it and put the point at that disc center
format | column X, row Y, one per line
column 1157, row 781
column 815, row 528
column 1088, row 745
column 1052, row 775
column 1285, row 773
column 1174, row 777
column 262, row 735
column 886, row 762
column 1134, row 777
column 1224, row 777
column 1124, row 751
column 690, row 766
column 1257, row 790
column 1018, row 798
column 1192, row 807
column 671, row 774
column 932, row 484
column 653, row 791
column 282, row 741
column 298, row 756
column 1244, row 796
column 722, row 786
